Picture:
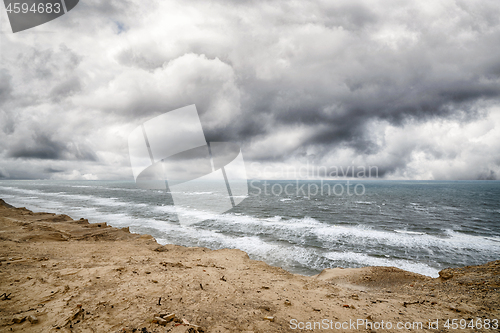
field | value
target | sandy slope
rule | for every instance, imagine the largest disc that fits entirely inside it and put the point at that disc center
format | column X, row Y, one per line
column 67, row 275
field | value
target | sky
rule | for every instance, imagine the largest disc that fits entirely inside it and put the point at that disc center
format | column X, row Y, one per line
column 411, row 88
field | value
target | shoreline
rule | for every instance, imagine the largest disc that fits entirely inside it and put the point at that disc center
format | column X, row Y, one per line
column 302, row 271
column 293, row 234
column 423, row 269
column 73, row 276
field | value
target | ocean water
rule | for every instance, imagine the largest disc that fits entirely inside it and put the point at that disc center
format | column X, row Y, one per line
column 419, row 226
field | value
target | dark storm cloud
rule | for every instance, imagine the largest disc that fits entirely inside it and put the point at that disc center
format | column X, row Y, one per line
column 342, row 120
column 346, row 124
column 446, row 78
column 42, row 146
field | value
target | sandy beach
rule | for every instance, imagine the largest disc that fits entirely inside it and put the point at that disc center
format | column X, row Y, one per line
column 63, row 275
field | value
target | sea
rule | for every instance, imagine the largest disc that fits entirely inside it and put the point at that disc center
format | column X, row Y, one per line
column 301, row 226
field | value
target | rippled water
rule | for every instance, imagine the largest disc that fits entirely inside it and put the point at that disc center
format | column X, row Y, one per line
column 415, row 225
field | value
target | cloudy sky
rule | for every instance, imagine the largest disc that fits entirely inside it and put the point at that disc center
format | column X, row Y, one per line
column 412, row 88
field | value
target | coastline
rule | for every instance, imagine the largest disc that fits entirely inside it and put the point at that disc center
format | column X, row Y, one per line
column 73, row 276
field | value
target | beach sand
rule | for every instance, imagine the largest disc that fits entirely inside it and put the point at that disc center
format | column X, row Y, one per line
column 64, row 275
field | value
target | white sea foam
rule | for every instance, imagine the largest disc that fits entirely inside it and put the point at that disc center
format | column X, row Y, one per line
column 197, row 193
column 365, row 260
column 409, row 232
column 330, row 234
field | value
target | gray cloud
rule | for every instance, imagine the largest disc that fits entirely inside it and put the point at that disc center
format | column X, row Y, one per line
column 40, row 146
column 328, row 81
column 487, row 175
column 66, row 88
column 5, row 85
column 51, row 170
column 43, row 146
